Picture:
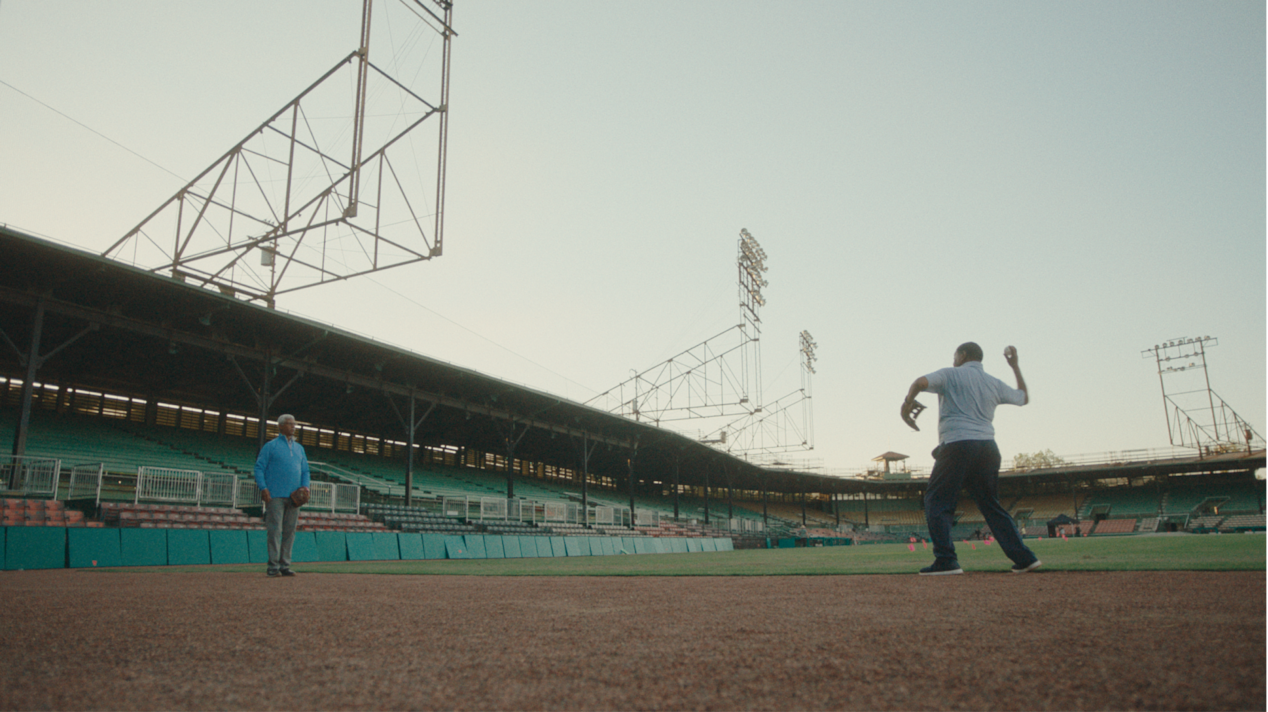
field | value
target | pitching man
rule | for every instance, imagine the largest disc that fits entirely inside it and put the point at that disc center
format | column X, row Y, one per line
column 966, row 456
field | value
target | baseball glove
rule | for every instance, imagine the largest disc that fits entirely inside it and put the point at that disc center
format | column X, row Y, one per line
column 300, row 497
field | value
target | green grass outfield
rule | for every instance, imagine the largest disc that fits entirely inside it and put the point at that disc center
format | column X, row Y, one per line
column 1227, row 552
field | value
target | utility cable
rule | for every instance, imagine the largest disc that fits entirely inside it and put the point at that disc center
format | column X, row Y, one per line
column 82, row 124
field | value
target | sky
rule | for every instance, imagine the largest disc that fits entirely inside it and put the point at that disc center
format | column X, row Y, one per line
column 1083, row 180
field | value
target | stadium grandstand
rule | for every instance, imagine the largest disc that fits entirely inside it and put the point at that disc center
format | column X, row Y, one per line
column 136, row 403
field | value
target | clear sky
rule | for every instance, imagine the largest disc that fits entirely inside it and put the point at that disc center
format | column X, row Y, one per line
column 1080, row 179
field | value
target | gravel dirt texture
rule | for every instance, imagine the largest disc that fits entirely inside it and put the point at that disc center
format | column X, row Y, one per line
column 131, row 640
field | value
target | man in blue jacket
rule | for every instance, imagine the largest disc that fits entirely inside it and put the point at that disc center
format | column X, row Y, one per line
column 280, row 470
column 967, row 455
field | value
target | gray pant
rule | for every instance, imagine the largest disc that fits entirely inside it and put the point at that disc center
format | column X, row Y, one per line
column 280, row 517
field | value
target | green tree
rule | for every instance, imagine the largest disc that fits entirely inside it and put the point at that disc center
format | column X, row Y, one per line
column 1045, row 458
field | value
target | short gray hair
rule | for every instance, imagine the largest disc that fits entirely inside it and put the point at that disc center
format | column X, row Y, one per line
column 283, row 418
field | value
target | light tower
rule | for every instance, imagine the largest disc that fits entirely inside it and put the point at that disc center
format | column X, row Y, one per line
column 1196, row 416
column 305, row 200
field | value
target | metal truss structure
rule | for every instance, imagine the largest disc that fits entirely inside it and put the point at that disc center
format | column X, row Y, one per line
column 777, row 428
column 330, row 187
column 720, row 379
column 1196, row 416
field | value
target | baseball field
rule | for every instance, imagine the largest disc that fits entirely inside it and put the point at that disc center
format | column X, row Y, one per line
column 1161, row 622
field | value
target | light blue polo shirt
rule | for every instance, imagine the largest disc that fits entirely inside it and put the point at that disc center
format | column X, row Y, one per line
column 967, row 396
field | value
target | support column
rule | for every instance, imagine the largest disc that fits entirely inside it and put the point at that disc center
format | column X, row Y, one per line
column 33, row 361
column 262, row 436
column 765, row 516
column 677, row 476
column 409, row 456
column 706, row 492
column 28, row 382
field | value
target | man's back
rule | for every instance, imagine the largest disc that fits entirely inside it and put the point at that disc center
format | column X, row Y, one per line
column 967, row 396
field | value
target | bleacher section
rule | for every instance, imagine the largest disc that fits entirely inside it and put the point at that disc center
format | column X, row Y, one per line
column 1121, row 502
column 1115, row 526
column 1038, row 509
column 40, row 513
column 1243, row 522
column 123, row 446
column 185, row 517
column 78, row 439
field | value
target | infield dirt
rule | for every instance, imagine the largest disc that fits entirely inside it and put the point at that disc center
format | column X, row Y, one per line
column 207, row 639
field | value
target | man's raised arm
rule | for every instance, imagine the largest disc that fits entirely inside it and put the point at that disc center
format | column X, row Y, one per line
column 1010, row 355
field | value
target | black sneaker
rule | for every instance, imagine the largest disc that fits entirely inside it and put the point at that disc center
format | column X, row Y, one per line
column 287, row 572
column 1019, row 569
column 274, row 573
column 942, row 568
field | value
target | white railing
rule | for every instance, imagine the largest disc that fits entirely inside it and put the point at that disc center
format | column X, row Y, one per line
column 161, row 484
column 85, row 481
column 493, row 508
column 556, row 512
column 29, row 475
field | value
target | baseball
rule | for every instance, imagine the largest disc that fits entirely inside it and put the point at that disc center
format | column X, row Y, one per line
column 1009, row 352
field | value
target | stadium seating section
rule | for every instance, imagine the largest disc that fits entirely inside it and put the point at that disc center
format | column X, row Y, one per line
column 123, row 446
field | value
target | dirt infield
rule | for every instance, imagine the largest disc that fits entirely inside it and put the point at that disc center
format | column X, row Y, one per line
column 81, row 639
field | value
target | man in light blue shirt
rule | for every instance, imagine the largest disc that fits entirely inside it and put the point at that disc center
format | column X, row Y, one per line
column 280, row 469
column 967, row 456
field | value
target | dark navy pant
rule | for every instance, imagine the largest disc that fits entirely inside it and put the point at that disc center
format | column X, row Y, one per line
column 972, row 465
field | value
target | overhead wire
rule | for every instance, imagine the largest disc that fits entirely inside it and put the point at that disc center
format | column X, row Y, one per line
column 95, row 131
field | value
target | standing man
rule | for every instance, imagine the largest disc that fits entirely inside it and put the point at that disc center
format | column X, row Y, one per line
column 966, row 455
column 280, row 471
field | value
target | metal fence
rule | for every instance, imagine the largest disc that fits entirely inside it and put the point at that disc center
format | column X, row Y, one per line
column 555, row 512
column 647, row 518
column 161, row 484
column 85, row 481
column 493, row 508
column 29, row 475
column 604, row 515
column 454, row 506
column 323, row 496
column 334, row 497
column 248, row 494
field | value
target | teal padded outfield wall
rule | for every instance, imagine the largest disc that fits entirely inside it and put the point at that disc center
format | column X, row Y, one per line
column 59, row 547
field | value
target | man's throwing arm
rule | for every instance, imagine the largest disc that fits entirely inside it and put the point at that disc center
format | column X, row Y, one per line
column 910, row 407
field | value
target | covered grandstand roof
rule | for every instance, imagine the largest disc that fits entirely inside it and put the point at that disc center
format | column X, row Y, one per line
column 110, row 326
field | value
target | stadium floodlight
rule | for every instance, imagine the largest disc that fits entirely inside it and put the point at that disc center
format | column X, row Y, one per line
column 321, row 201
